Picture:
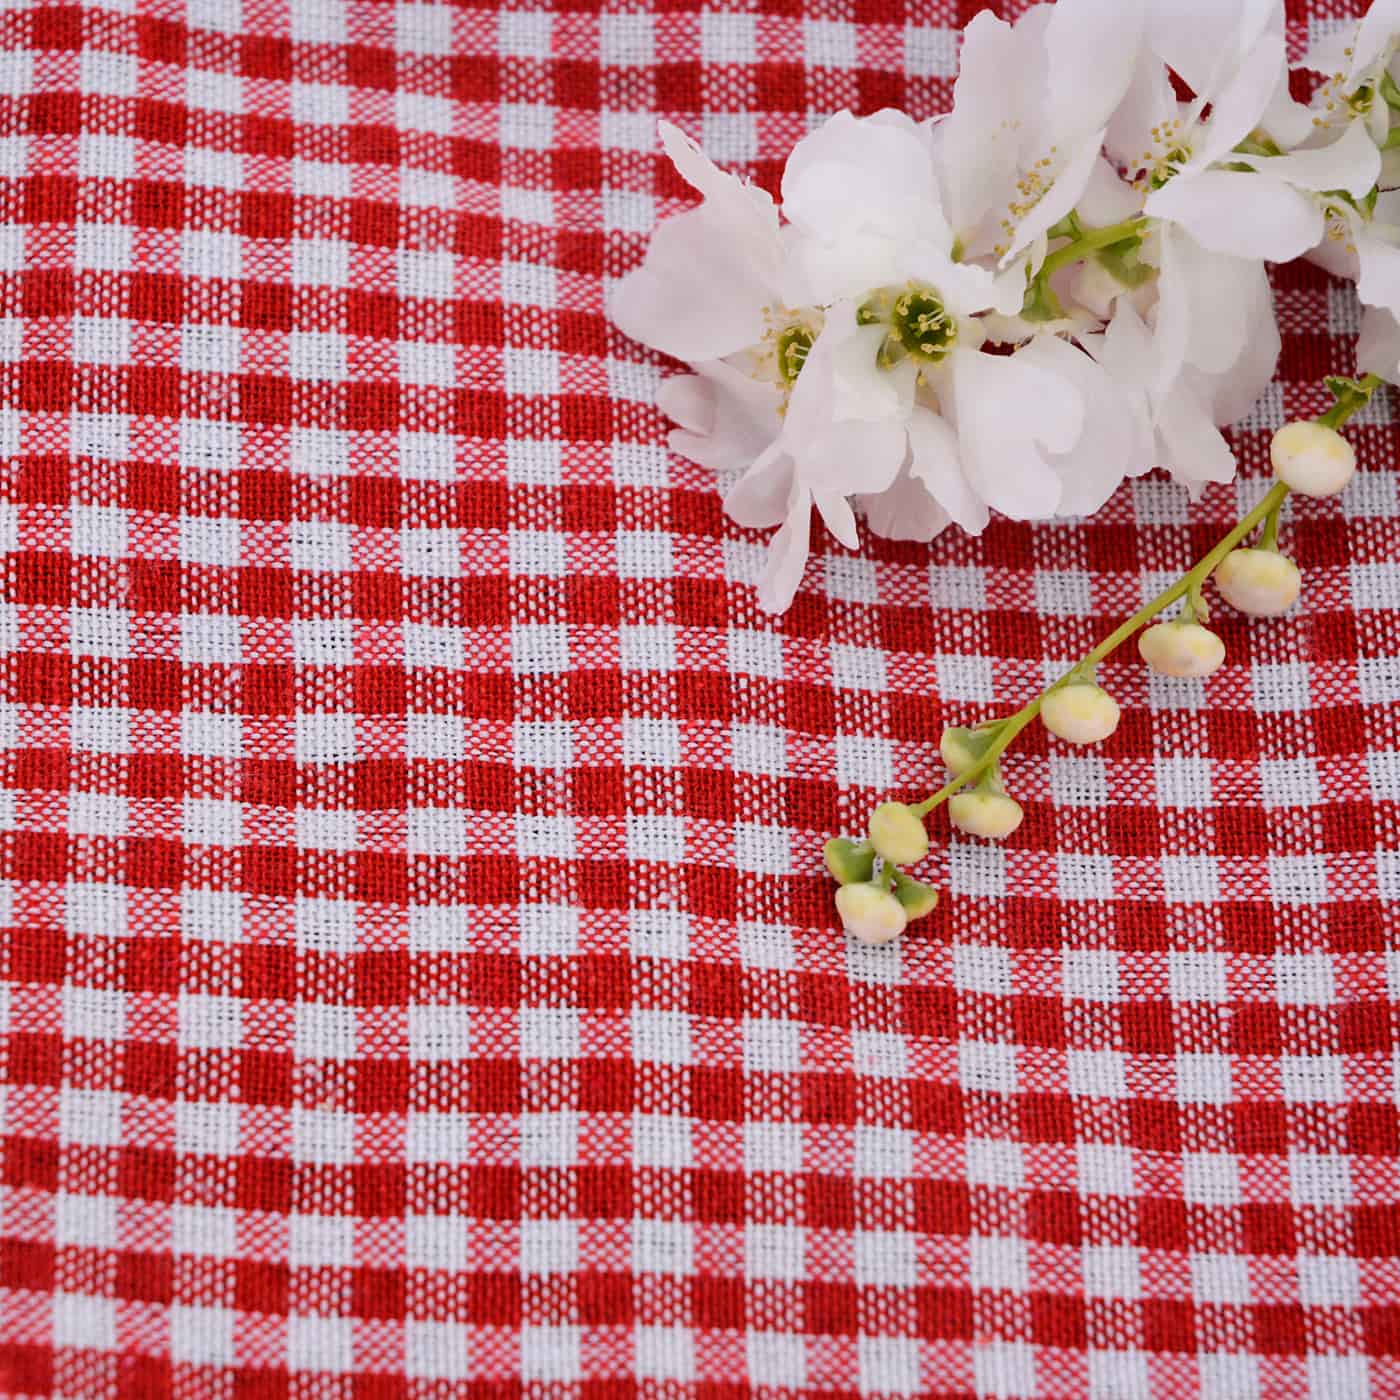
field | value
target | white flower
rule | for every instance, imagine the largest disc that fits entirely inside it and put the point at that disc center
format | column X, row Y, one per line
column 710, row 273
column 1355, row 58
column 1363, row 246
column 1029, row 111
column 862, row 198
column 866, row 210
column 1232, row 56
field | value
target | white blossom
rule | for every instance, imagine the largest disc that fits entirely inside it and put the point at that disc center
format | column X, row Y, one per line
column 1011, row 307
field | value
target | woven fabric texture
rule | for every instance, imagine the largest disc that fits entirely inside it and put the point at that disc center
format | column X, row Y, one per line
column 419, row 977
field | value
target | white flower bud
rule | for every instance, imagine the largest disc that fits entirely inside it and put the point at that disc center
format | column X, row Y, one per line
column 1260, row 582
column 869, row 913
column 1080, row 714
column 1311, row 458
column 990, row 814
column 897, row 834
column 1181, row 649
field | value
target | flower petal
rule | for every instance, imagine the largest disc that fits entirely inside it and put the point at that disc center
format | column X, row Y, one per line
column 1245, row 215
column 978, row 150
column 1379, row 283
column 852, row 457
column 1378, row 346
column 849, row 383
column 934, row 462
column 1238, row 106
column 905, row 510
column 1008, row 414
column 688, row 400
column 728, row 419
column 708, row 273
column 838, row 517
column 1092, row 470
column 1107, row 198
column 762, row 496
column 1147, row 102
column 1193, row 449
column 1234, row 391
column 1331, row 52
column 1378, row 28
column 748, row 210
column 1351, row 163
column 852, row 454
column 695, row 296
column 787, row 557
column 1090, row 54
column 1205, row 40
column 854, row 174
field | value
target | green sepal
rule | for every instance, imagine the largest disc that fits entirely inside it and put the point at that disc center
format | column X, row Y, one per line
column 968, row 743
column 850, row 862
column 917, row 898
column 1041, row 303
column 1390, row 93
column 1257, row 144
column 1340, row 387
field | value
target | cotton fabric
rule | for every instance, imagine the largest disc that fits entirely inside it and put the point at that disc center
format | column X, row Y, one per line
column 419, row 975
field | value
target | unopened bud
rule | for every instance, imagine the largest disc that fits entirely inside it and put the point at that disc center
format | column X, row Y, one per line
column 990, row 814
column 1080, row 714
column 849, row 861
column 898, row 834
column 918, row 899
column 1312, row 458
column 869, row 913
column 1182, row 649
column 1260, row 582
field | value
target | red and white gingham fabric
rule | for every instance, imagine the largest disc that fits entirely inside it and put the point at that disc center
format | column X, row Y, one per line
column 420, row 980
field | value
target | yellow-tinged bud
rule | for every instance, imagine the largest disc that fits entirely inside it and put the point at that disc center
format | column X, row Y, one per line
column 870, row 914
column 897, row 834
column 1080, row 714
column 918, row 899
column 849, row 861
column 1260, row 582
column 1312, row 458
column 983, row 813
column 1181, row 649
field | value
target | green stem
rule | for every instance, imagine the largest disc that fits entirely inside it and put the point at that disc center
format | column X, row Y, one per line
column 1189, row 584
column 1090, row 242
column 1269, row 539
column 1115, row 639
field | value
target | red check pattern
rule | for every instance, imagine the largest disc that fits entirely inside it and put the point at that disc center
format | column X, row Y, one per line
column 419, row 979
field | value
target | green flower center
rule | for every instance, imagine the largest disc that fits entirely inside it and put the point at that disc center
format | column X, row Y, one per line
column 793, row 346
column 920, row 326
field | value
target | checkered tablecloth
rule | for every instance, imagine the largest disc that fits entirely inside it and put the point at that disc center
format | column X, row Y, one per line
column 419, row 977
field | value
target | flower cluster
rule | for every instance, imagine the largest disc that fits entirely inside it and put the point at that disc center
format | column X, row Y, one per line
column 1014, row 305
